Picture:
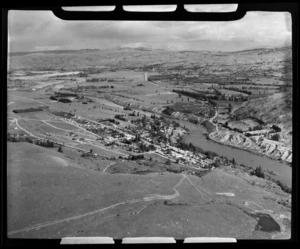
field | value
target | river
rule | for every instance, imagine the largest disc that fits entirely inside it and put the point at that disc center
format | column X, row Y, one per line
column 197, row 137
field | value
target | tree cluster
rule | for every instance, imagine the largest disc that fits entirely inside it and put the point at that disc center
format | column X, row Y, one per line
column 136, row 157
column 238, row 90
column 258, row 172
column 19, row 139
column 275, row 137
column 63, row 100
column 121, row 117
column 83, row 75
column 194, row 95
column 276, row 128
column 44, row 143
column 168, row 111
column 189, row 147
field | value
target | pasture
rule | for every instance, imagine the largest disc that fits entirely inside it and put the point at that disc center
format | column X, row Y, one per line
column 38, row 126
column 63, row 196
column 63, row 125
column 42, row 189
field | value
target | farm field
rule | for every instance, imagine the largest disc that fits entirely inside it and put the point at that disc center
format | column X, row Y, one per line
column 37, row 126
column 63, row 125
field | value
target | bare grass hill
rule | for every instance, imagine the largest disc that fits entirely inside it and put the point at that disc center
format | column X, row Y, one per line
column 57, row 198
column 276, row 109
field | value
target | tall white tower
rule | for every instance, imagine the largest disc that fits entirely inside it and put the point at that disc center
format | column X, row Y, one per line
column 146, row 76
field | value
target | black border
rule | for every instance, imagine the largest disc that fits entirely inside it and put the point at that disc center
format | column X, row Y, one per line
column 179, row 14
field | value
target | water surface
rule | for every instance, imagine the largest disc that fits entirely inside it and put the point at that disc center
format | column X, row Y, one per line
column 197, row 137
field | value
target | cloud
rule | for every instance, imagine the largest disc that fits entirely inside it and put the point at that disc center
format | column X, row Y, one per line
column 35, row 30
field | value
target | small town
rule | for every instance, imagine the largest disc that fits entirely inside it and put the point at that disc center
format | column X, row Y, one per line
column 127, row 128
column 146, row 139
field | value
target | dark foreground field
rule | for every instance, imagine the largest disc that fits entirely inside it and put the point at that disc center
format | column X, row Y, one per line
column 52, row 196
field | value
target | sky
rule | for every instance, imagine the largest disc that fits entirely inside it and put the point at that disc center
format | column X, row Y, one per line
column 42, row 30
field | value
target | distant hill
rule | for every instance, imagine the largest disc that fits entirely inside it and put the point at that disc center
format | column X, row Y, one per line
column 139, row 57
column 51, row 52
column 264, row 49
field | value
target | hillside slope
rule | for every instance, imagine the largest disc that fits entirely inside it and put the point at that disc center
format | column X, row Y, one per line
column 274, row 109
column 48, row 197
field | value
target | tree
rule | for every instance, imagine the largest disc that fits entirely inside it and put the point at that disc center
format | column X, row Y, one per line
column 168, row 162
column 229, row 107
column 259, row 172
column 233, row 161
column 144, row 120
column 215, row 164
column 275, row 137
column 60, row 149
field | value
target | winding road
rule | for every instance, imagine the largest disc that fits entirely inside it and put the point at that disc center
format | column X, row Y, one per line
column 166, row 197
column 211, row 120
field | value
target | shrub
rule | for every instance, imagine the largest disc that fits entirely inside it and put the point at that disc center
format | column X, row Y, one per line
column 60, row 149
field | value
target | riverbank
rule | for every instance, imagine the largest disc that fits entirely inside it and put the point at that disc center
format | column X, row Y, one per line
column 207, row 135
column 198, row 135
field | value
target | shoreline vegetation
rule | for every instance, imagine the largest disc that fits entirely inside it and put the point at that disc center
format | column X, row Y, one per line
column 211, row 128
